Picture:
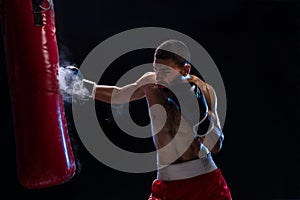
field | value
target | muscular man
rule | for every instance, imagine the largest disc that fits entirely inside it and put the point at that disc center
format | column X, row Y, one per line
column 186, row 169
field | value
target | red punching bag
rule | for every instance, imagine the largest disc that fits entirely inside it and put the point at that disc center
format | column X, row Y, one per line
column 44, row 153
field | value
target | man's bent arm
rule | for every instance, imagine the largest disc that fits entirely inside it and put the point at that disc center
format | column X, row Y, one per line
column 213, row 140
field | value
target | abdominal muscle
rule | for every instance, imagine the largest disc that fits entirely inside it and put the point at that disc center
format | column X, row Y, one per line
column 172, row 135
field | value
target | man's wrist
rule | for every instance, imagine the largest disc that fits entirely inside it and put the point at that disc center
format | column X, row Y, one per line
column 90, row 86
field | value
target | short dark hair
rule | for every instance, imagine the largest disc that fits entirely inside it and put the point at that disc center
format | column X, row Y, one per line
column 165, row 55
column 175, row 50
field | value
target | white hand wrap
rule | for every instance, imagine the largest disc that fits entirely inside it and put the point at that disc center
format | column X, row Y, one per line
column 90, row 86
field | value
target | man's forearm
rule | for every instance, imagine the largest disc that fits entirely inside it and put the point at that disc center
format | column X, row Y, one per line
column 104, row 93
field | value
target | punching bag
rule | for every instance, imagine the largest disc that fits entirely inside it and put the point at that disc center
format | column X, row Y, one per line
column 44, row 155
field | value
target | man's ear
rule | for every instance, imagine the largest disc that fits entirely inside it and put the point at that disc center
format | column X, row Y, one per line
column 186, row 69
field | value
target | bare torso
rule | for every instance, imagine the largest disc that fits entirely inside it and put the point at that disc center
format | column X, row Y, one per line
column 172, row 135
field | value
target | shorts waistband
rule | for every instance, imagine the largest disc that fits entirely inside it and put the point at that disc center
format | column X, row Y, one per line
column 187, row 169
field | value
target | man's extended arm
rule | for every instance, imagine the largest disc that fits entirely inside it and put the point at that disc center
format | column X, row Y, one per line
column 124, row 94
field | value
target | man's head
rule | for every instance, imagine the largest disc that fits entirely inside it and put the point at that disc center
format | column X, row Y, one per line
column 175, row 50
column 171, row 58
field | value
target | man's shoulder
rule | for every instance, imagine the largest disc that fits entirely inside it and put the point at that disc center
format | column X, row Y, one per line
column 147, row 78
column 149, row 74
column 203, row 85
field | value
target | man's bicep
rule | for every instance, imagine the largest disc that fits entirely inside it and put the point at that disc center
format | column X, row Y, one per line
column 126, row 94
column 211, row 98
column 133, row 91
column 212, row 101
column 141, row 85
column 138, row 93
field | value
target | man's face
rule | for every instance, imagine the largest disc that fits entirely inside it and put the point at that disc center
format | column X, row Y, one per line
column 166, row 71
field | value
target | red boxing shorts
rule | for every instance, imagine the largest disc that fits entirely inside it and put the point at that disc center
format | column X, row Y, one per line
column 209, row 186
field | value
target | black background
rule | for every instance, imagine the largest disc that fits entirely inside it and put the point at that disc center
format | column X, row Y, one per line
column 256, row 46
